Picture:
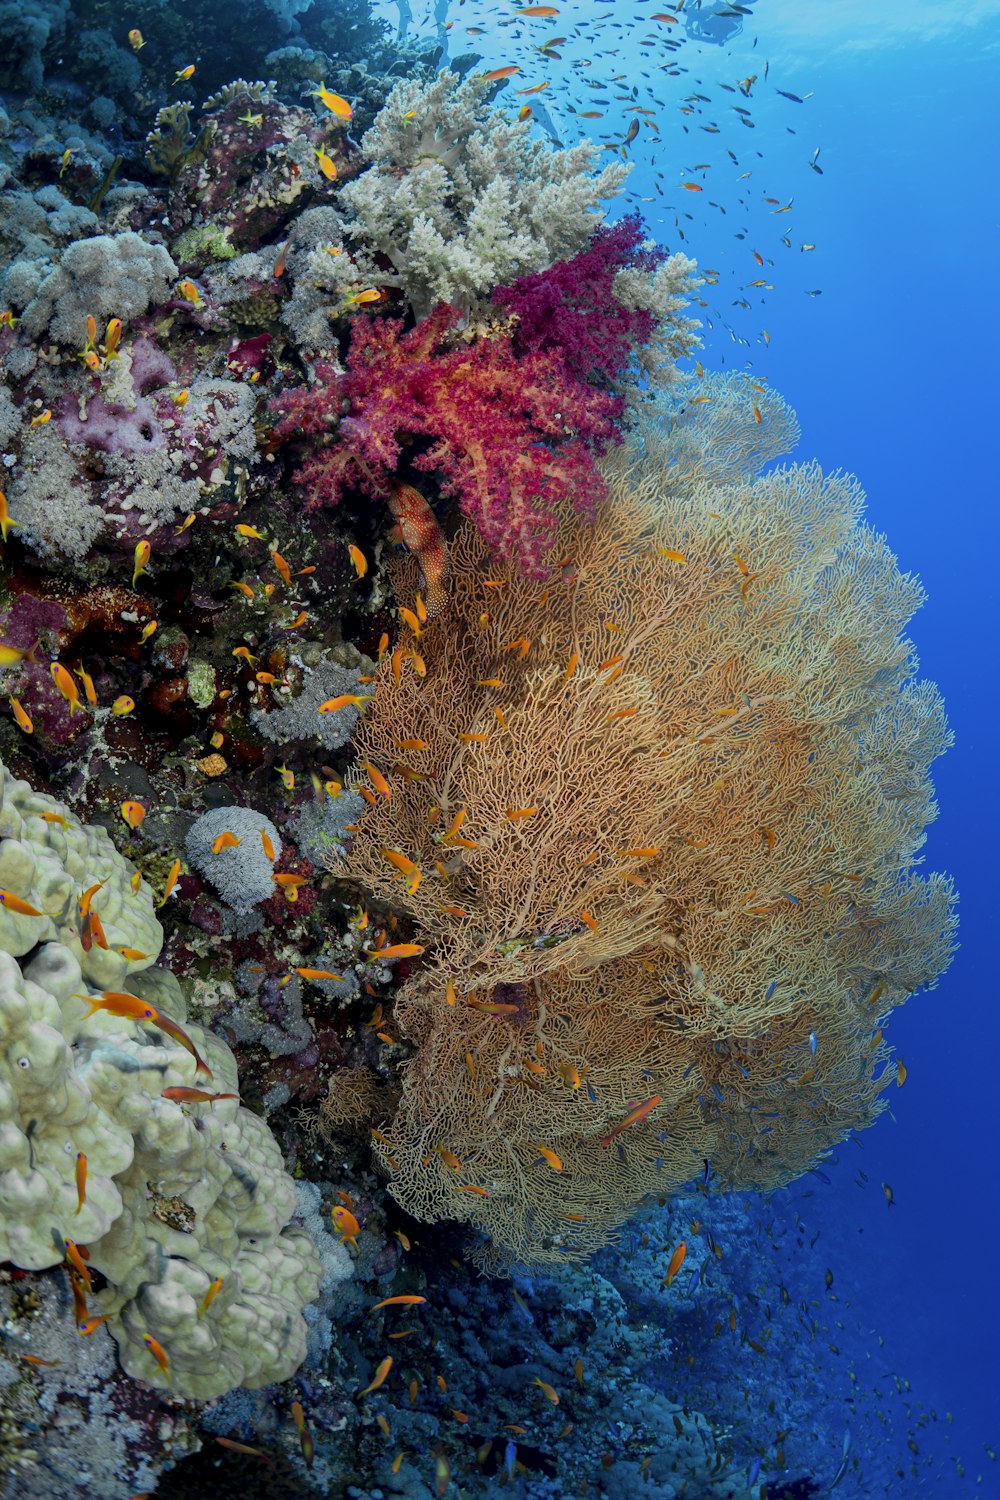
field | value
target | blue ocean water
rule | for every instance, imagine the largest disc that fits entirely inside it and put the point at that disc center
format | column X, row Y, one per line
column 866, row 205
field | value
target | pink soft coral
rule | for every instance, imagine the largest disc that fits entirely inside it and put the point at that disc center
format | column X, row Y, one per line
column 571, row 309
column 510, row 436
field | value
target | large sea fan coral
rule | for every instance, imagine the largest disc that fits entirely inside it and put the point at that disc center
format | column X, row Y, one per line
column 666, row 820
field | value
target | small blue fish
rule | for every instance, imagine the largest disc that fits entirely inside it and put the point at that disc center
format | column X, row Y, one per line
column 754, row 1471
column 770, row 991
column 510, row 1457
column 812, row 1043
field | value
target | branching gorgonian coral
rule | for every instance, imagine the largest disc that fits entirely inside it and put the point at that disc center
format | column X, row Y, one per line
column 655, row 824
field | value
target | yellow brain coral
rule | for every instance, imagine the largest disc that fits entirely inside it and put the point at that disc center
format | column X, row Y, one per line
column 665, row 811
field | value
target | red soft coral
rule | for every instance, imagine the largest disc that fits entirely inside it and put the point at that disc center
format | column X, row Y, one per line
column 509, row 436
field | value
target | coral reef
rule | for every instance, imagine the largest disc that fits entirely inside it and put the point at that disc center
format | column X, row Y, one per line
column 509, row 438
column 108, row 1140
column 505, row 884
column 660, row 849
column 236, row 849
column 458, row 200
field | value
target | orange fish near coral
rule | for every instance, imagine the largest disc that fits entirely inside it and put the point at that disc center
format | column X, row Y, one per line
column 397, row 950
column 345, row 1224
column 634, row 1117
column 420, row 534
column 133, row 813
column 67, row 687
column 193, row 1096
column 676, row 1261
column 21, row 717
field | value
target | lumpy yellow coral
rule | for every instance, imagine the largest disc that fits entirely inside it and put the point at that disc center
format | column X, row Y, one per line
column 665, row 809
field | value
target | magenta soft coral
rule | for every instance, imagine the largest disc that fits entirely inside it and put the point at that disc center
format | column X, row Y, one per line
column 509, row 435
column 571, row 308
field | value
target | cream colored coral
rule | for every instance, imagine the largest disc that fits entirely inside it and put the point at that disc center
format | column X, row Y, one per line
column 176, row 1194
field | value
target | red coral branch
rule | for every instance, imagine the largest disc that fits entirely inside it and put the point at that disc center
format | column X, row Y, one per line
column 510, row 436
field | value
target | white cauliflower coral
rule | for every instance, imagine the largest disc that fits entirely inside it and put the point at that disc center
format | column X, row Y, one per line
column 460, row 200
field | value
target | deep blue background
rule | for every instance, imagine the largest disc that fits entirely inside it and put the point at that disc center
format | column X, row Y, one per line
column 892, row 374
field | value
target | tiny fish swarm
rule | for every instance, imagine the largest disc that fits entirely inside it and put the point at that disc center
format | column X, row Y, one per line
column 711, row 711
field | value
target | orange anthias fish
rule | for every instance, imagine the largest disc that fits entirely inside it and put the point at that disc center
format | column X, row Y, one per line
column 174, row 872
column 406, row 1299
column 634, row 1117
column 143, row 551
column 380, row 1376
column 210, row 1296
column 676, row 1261
column 305, row 1436
column 345, row 1224
column 67, row 687
column 81, row 1181
column 334, row 705
column 420, row 533
column 20, row 717
column 179, row 1035
column 396, row 950
column 15, row 904
column 333, row 102
column 131, row 1008
column 153, row 1345
column 236, row 1447
column 133, row 813
column 497, row 73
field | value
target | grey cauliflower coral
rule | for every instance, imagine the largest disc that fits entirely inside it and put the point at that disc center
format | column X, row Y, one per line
column 460, row 200
column 180, row 1195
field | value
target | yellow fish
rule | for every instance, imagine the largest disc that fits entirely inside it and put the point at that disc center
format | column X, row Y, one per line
column 112, row 338
column 225, row 841
column 359, row 560
column 327, row 165
column 185, row 74
column 5, row 520
column 136, row 39
column 333, row 102
column 190, row 292
column 122, row 705
column 143, row 552
column 42, row 418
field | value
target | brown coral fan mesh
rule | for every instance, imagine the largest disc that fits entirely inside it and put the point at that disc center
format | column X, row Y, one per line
column 665, row 811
